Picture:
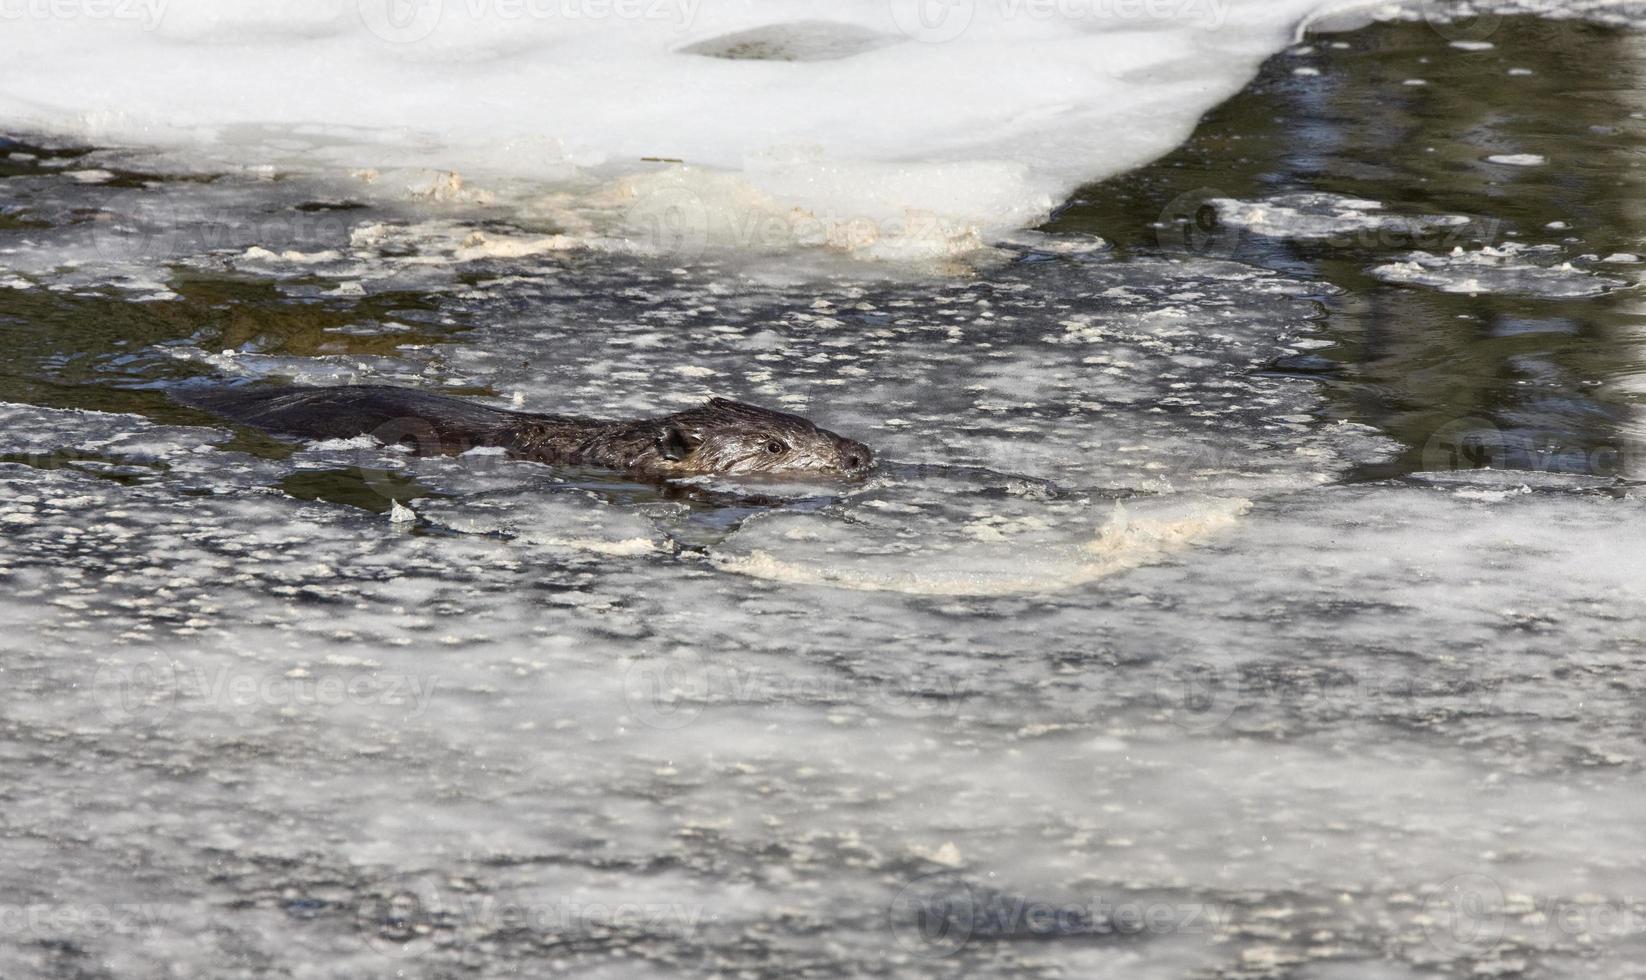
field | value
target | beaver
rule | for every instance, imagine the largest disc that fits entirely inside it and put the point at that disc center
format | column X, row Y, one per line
column 719, row 436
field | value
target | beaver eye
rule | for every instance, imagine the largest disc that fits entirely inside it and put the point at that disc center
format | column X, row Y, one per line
column 774, row 447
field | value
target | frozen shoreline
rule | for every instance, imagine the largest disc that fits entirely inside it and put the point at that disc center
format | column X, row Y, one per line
column 876, row 132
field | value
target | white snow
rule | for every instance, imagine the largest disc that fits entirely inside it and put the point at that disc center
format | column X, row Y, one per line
column 860, row 126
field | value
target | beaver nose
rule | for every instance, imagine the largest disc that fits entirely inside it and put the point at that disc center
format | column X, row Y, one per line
column 854, row 456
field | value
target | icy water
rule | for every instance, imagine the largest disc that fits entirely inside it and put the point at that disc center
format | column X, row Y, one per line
column 1252, row 586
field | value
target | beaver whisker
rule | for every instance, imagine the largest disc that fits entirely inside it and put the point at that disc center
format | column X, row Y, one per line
column 719, row 436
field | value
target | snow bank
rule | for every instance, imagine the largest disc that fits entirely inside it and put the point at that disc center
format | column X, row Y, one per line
column 913, row 127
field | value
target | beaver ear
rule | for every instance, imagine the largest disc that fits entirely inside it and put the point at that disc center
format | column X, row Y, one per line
column 675, row 443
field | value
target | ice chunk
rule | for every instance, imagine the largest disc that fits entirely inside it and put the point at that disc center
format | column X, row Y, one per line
column 926, row 545
column 1343, row 219
column 1518, row 159
column 1535, row 270
column 999, row 110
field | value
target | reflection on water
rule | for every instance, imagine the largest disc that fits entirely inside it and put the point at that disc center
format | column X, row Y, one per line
column 1550, row 384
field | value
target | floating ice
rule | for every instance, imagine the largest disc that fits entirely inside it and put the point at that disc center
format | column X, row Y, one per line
column 1318, row 215
column 46, row 434
column 1535, row 270
column 1518, row 159
column 559, row 521
column 667, row 724
column 945, row 543
column 1468, row 21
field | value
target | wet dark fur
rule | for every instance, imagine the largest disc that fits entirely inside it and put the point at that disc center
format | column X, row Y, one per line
column 719, row 436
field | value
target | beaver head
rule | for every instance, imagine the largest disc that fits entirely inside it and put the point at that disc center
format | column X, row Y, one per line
column 723, row 436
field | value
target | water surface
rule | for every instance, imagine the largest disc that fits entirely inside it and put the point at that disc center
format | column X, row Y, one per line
column 1235, row 600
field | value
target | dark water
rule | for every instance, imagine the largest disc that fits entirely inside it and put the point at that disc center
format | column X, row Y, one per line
column 1557, row 381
